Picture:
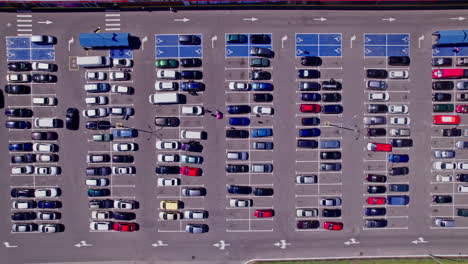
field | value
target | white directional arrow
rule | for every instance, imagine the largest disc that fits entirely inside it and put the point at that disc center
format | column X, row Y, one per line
column 458, row 18
column 320, row 19
column 213, row 39
column 299, row 40
column 283, row 39
column 47, row 22
column 250, row 19
column 143, row 40
column 70, row 41
column 8, row 245
column 419, row 240
column 182, row 19
column 390, row 19
column 421, row 38
column 351, row 241
column 353, row 38
column 159, row 243
column 282, row 244
column 83, row 244
column 221, row 245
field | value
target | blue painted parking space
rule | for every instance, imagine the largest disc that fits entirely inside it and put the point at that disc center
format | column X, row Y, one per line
column 384, row 45
column 318, row 44
column 121, row 53
column 449, row 51
column 21, row 48
column 167, row 46
column 242, row 49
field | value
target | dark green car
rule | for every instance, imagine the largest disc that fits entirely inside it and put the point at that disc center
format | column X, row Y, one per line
column 259, row 62
column 167, row 63
column 236, row 38
column 442, row 108
column 462, row 212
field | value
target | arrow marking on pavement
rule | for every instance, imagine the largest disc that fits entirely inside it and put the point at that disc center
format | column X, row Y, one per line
column 419, row 240
column 458, row 18
column 143, row 40
column 221, row 245
column 8, row 245
column 83, row 244
column 282, row 244
column 390, row 19
column 351, row 241
column 47, row 22
column 283, row 39
column 320, row 19
column 213, row 39
column 250, row 19
column 421, row 38
column 70, row 41
column 353, row 38
column 159, row 243
column 182, row 19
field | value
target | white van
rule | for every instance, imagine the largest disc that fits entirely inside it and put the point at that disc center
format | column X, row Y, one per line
column 93, row 61
column 164, row 98
column 46, row 122
column 186, row 134
column 462, row 188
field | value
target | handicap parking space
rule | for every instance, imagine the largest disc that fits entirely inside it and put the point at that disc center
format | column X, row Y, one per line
column 386, row 44
column 22, row 49
column 241, row 50
column 121, row 53
column 168, row 46
column 318, row 44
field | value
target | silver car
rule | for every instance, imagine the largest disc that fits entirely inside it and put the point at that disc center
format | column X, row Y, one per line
column 262, row 168
column 377, row 85
column 375, row 120
column 463, row 85
column 461, row 144
column 238, row 155
column 400, row 132
column 440, row 222
column 336, row 201
column 307, row 212
column 309, row 179
column 444, row 154
column 194, row 191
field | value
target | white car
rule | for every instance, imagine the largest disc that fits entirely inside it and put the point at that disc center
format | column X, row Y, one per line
column 21, row 205
column 404, row 121
column 302, row 179
column 97, row 182
column 165, row 86
column 124, row 204
column 446, row 178
column 168, row 158
column 168, row 181
column 124, row 147
column 49, row 228
column 398, row 75
column 122, row 111
column 46, row 192
column 121, row 89
column 18, row 77
column 95, row 113
column 119, row 76
column 101, row 215
column 444, row 154
column 170, row 215
column 240, row 202
column 95, row 76
column 195, row 110
column 262, row 110
column 49, row 100
column 379, row 96
column 398, row 109
column 43, row 39
column 122, row 63
column 167, row 74
column 42, row 66
column 239, row 86
column 50, row 170
column 462, row 165
column 96, row 158
column 400, row 132
column 195, row 214
column 22, row 170
column 123, row 170
column 167, row 145
column 48, row 215
column 440, row 165
column 100, row 226
column 97, row 100
column 46, row 157
column 44, row 147
column 313, row 212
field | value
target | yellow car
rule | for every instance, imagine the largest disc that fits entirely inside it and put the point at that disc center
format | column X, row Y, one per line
column 169, row 205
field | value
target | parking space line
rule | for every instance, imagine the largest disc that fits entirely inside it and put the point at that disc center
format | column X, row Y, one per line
column 249, row 230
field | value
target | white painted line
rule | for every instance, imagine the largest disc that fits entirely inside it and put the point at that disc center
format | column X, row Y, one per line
column 116, row 29
column 112, row 19
column 24, row 35
column 112, row 15
column 250, row 219
column 28, row 29
column 24, row 25
column 23, row 15
column 249, row 230
column 112, row 25
column 23, row 20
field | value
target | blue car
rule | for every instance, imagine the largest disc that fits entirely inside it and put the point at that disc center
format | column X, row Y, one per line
column 398, row 158
column 192, row 86
column 314, row 97
column 398, row 200
column 238, row 109
column 125, row 133
column 310, row 121
column 309, row 132
column 239, row 121
column 20, row 147
column 326, row 144
column 261, row 86
column 98, row 192
column 332, row 109
column 262, row 132
column 49, row 204
column 18, row 124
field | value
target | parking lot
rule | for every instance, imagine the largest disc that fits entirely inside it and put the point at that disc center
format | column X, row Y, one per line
column 298, row 154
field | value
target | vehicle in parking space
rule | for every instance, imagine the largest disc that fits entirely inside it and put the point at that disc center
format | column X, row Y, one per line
column 307, row 212
column 463, row 85
column 306, row 179
column 124, row 133
column 103, row 137
column 331, row 97
column 190, row 171
column 18, row 78
column 260, row 39
column 97, row 158
column 101, row 214
column 101, row 204
column 377, row 74
column 330, row 155
column 309, row 132
column 191, row 62
column 261, row 52
column 122, row 158
column 310, row 121
column 22, row 193
column 259, row 75
column 446, row 120
column 170, row 215
column 401, row 143
column 332, row 109
column 170, row 205
column 23, row 204
column 236, row 38
column 237, row 155
column 333, row 201
column 45, row 101
column 262, row 86
column 398, row 60
column 261, row 132
column 308, row 74
column 441, row 97
column 263, row 192
column 311, row 61
column 461, row 177
column 125, row 204
column 239, row 189
column 444, row 154
column 331, row 212
column 166, row 86
column 374, row 120
column 315, row 97
column 23, row 216
column 49, row 170
column 195, row 110
column 376, row 178
column 376, row 189
column 124, row 147
column 376, row 200
column 379, row 147
column 192, row 86
column 376, row 132
column 168, row 157
column 442, row 85
column 333, row 226
column 375, row 211
column 124, row 170
column 239, row 121
column 398, row 74
column 95, row 112
column 262, row 110
column 18, row 66
column 122, row 89
column 400, row 132
column 402, row 121
column 461, row 109
column 126, row 216
column 262, row 97
column 308, row 224
column 461, row 144
column 97, row 100
column 168, row 74
column 462, row 61
column 448, row 73
column 166, row 121
column 259, row 62
column 398, row 171
column 236, row 133
column 240, row 202
column 49, row 204
column 310, row 108
column 18, row 112
column 399, row 187
column 43, row 39
column 95, row 76
column 239, row 86
column 17, row 124
column 462, row 165
column 441, row 222
column 191, row 75
column 25, row 158
column 442, row 108
column 451, row 132
column 442, row 199
column 263, row 213
column 309, row 86
column 98, row 171
column 462, row 212
column 441, row 61
column 398, row 109
column 44, row 135
column 22, row 228
column 166, row 63
column 262, row 145
column 167, row 170
column 98, row 192
column 237, row 168
column 97, row 87
column 462, row 96
column 261, row 168
column 122, row 111
column 306, row 143
column 196, row 228
column 375, row 223
column 100, row 226
column 167, row 145
column 398, row 200
column 189, row 40
column 45, row 147
column 398, row 158
column 17, row 89
column 168, row 181
column 51, row 228
column 26, row 146
column 377, row 85
column 384, row 96
column 330, row 144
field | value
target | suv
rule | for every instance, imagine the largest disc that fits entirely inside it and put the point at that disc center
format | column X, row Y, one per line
column 236, row 189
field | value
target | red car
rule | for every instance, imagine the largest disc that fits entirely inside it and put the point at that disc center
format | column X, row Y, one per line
column 448, row 73
column 124, row 227
column 379, row 147
column 376, row 200
column 264, row 213
column 310, row 108
column 189, row 171
column 461, row 109
column 334, row 226
column 446, row 120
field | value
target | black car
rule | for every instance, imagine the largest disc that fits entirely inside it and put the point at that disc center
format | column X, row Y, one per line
column 189, row 40
column 98, row 171
column 331, row 85
column 43, row 78
column 462, row 212
column 72, row 119
column 313, row 97
column 377, row 108
column 442, row 199
column 451, row 132
column 398, row 187
column 398, row 171
column 441, row 97
column 49, row 204
column 263, row 192
column 260, row 75
column 238, row 109
column 309, row 86
column 308, row 74
column 376, row 132
column 401, row 143
column 373, row 211
column 462, row 177
column 236, row 189
column 311, row 61
column 376, row 189
column 332, row 109
column 192, row 75
column 235, row 133
column 330, row 155
column 441, row 61
column 237, row 168
column 376, row 178
column 376, row 74
column 260, row 39
column 263, row 98
column 98, row 125
column 306, row 143
column 125, row 216
column 17, row 89
column 331, row 97
column 193, row 62
column 20, row 192
column 443, row 85
column 103, row 204
column 399, row 60
column 44, row 135
column 17, row 124
column 23, row 216
column 19, row 66
column 25, row 158
column 18, row 112
column 166, row 121
column 376, row 223
column 310, row 121
column 331, row 212
column 122, row 158
column 307, row 224
column 167, row 170
column 192, row 146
